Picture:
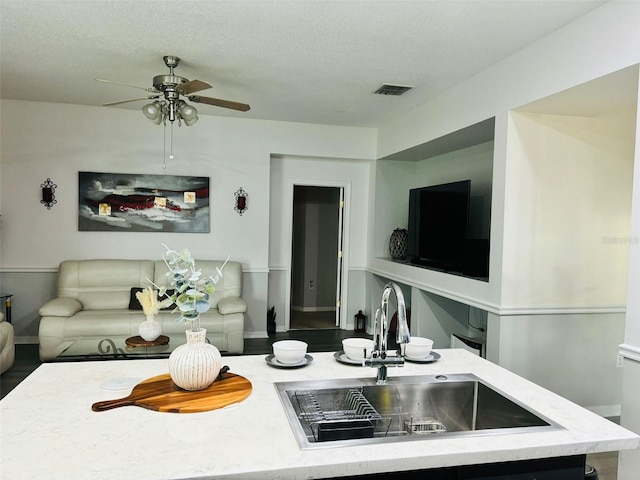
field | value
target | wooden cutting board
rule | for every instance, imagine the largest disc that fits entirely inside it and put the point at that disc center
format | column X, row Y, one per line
column 162, row 395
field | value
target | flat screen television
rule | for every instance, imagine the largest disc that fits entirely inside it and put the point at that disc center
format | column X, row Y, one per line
column 438, row 226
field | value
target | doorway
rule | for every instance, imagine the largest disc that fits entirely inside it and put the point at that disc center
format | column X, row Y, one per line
column 316, row 257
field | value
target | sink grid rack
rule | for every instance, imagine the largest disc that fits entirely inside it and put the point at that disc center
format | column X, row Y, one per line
column 329, row 415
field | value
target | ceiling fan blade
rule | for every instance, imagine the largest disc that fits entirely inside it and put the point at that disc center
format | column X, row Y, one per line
column 130, row 100
column 243, row 107
column 192, row 86
column 152, row 90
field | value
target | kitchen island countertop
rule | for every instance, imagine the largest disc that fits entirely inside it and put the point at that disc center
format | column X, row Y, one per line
column 48, row 429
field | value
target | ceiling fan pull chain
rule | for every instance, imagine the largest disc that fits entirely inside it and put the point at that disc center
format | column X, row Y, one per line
column 171, row 153
column 164, row 146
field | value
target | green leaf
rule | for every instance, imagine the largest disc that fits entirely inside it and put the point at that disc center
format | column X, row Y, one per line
column 202, row 306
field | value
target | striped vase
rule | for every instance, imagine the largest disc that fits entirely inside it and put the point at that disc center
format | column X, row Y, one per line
column 196, row 364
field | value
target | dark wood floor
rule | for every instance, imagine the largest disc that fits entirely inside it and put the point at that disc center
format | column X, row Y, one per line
column 314, row 320
column 27, row 360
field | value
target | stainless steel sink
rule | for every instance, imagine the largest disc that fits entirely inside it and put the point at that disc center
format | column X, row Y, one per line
column 359, row 411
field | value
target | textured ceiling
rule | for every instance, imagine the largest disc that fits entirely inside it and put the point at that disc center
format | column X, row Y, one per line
column 302, row 61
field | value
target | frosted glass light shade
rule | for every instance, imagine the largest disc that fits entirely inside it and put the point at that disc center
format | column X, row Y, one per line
column 151, row 111
column 188, row 113
column 188, row 123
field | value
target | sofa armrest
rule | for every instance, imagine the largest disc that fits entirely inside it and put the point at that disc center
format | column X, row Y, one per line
column 231, row 305
column 60, row 307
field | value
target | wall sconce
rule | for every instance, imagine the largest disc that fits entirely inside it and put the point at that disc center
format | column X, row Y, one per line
column 242, row 199
column 48, row 194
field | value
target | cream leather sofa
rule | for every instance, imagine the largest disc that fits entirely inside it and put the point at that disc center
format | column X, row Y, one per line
column 7, row 345
column 94, row 297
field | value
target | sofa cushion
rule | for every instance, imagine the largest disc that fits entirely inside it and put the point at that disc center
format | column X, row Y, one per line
column 232, row 305
column 102, row 284
column 60, row 307
column 7, row 345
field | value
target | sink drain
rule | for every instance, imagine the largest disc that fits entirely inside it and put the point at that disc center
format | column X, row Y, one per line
column 425, row 426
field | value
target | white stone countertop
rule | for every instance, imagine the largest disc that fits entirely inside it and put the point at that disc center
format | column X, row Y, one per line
column 48, row 430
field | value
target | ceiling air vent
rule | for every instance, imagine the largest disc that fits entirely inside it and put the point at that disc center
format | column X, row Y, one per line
column 396, row 90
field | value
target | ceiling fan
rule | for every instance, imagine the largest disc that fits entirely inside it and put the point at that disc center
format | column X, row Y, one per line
column 167, row 90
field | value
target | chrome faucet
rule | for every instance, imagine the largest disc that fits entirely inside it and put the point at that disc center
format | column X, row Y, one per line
column 379, row 357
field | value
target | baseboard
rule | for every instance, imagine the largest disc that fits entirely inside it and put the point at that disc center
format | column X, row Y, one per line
column 262, row 334
column 313, row 309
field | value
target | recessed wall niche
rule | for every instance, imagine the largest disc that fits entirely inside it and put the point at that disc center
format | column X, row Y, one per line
column 466, row 154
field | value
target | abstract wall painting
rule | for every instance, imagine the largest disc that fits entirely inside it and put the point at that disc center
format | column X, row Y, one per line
column 142, row 203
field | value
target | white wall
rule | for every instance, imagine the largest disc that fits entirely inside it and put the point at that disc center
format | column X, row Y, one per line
column 629, row 462
column 568, row 187
column 41, row 140
column 573, row 355
column 596, row 44
column 351, row 174
column 437, row 317
column 602, row 42
column 566, row 252
column 44, row 140
column 391, row 207
column 287, row 171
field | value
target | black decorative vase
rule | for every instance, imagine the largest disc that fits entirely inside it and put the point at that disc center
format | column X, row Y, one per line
column 398, row 244
column 271, row 320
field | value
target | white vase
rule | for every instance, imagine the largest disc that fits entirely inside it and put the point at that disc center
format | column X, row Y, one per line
column 196, row 364
column 150, row 329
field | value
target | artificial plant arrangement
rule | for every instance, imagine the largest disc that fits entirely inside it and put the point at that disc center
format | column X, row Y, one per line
column 196, row 364
column 148, row 299
column 191, row 292
column 150, row 329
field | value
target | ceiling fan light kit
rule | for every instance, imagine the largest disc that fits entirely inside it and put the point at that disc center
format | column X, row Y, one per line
column 159, row 112
column 167, row 104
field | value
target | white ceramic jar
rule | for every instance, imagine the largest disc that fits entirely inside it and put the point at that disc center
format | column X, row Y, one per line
column 150, row 329
column 196, row 364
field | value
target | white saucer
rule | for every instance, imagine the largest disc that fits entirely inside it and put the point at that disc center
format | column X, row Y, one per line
column 342, row 358
column 274, row 362
column 432, row 357
column 120, row 383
